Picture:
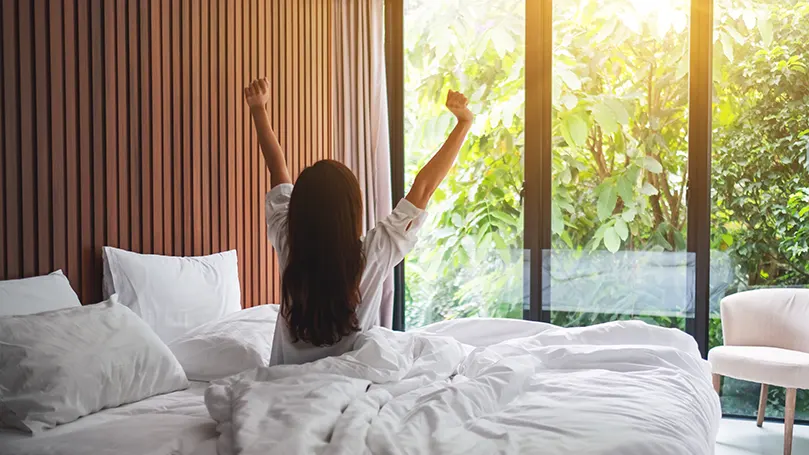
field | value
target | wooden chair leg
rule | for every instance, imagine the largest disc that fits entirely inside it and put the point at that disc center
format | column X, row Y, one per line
column 717, row 383
column 789, row 419
column 762, row 405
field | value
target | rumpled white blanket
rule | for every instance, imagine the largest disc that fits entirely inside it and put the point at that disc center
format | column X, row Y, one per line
column 618, row 388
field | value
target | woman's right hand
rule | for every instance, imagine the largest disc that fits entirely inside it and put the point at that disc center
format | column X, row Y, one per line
column 257, row 94
column 458, row 105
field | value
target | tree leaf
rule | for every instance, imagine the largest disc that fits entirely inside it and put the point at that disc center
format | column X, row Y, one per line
column 557, row 221
column 735, row 34
column 728, row 239
column 577, row 129
column 570, row 101
column 606, row 201
column 727, row 45
column 648, row 189
column 765, row 28
column 682, row 67
column 502, row 41
column 652, row 165
column 565, row 177
column 468, row 244
column 679, row 241
column 629, row 215
column 620, row 142
column 605, row 117
column 605, row 31
column 621, row 229
column 612, row 240
column 618, row 108
column 625, row 189
column 457, row 220
column 570, row 79
column 749, row 17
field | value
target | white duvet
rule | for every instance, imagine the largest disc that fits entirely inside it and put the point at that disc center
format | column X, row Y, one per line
column 620, row 388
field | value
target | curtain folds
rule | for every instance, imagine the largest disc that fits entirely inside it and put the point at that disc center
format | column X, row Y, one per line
column 360, row 110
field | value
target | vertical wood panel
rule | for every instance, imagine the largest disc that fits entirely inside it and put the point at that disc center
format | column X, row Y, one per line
column 111, row 125
column 222, row 88
column 213, row 119
column 263, row 273
column 251, row 226
column 176, row 129
column 240, row 145
column 3, row 214
column 88, row 274
column 11, row 136
column 98, row 164
column 123, row 123
column 185, row 82
column 42, row 132
column 133, row 102
column 156, row 62
column 275, row 56
column 196, row 130
column 145, row 120
column 73, row 265
column 235, row 91
column 124, row 239
column 27, row 140
column 167, row 151
column 205, row 127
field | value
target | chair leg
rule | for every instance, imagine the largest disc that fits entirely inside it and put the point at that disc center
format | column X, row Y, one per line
column 717, row 383
column 762, row 405
column 789, row 419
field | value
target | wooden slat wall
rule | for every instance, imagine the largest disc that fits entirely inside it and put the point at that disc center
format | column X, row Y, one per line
column 123, row 124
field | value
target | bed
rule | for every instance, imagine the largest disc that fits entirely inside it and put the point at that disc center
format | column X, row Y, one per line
column 172, row 424
column 465, row 387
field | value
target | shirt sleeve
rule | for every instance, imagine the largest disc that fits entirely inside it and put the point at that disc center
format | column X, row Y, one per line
column 394, row 236
column 276, row 205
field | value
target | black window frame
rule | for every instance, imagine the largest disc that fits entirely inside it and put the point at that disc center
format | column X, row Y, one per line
column 538, row 150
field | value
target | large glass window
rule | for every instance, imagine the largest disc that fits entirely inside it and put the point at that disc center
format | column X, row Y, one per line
column 620, row 155
column 760, row 184
column 469, row 261
column 618, row 235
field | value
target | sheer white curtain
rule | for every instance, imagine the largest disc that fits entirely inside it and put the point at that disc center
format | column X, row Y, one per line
column 361, row 110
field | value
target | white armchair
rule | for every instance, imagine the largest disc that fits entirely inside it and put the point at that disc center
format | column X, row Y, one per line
column 766, row 335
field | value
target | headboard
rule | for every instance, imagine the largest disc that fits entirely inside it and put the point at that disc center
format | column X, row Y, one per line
column 123, row 124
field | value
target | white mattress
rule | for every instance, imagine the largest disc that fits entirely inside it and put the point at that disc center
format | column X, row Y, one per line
column 173, row 424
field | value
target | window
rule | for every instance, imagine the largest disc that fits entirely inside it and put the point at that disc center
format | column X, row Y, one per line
column 469, row 261
column 667, row 145
column 760, row 190
column 620, row 155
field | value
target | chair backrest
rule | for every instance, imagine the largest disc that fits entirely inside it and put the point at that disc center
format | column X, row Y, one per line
column 776, row 318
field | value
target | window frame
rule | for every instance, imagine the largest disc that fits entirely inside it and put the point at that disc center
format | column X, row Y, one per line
column 539, row 150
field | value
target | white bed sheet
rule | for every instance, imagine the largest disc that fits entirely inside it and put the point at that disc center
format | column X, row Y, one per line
column 172, row 424
column 619, row 388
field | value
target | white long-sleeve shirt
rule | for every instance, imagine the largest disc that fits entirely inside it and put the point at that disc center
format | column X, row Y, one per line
column 385, row 246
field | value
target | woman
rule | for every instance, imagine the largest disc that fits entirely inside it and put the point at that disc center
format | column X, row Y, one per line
column 332, row 278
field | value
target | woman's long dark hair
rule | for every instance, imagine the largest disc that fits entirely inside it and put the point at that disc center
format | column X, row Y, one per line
column 320, row 286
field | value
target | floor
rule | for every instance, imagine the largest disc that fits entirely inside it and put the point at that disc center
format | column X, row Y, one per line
column 742, row 437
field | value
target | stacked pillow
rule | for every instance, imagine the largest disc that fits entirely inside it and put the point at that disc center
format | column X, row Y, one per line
column 60, row 361
column 35, row 295
column 68, row 360
column 165, row 321
column 174, row 294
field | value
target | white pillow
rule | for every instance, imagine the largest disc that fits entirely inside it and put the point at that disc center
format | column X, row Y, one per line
column 38, row 294
column 240, row 341
column 60, row 365
column 175, row 294
column 485, row 331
